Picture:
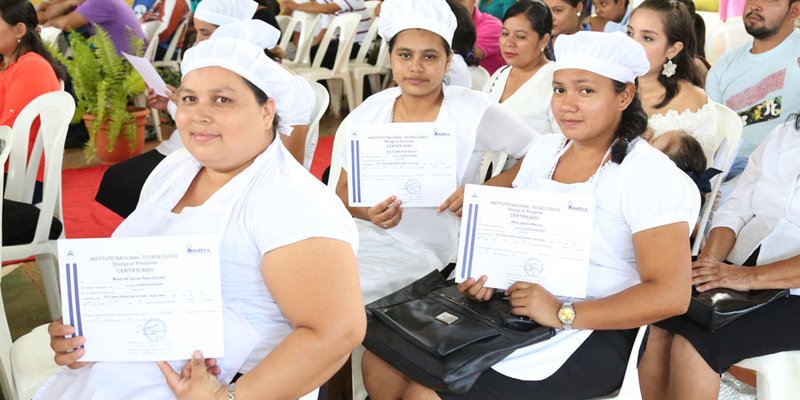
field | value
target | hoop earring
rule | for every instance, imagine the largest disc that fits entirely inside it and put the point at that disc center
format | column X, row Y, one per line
column 669, row 68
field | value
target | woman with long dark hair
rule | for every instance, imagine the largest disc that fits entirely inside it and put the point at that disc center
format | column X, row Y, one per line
column 27, row 70
column 671, row 91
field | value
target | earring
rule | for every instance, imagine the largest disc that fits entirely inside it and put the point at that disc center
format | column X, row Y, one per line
column 19, row 40
column 669, row 68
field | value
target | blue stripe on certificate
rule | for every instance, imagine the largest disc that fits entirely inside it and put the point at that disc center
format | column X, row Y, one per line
column 465, row 258
column 69, row 296
column 358, row 168
column 471, row 242
column 79, row 327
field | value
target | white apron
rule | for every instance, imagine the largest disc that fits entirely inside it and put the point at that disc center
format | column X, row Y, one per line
column 143, row 380
column 539, row 361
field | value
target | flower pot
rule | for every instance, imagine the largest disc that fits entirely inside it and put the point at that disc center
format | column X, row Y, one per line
column 122, row 149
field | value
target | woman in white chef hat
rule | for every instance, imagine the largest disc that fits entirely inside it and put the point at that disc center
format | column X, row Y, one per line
column 639, row 267
column 292, row 307
column 399, row 245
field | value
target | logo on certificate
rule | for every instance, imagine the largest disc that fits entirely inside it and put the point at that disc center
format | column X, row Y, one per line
column 533, row 267
column 192, row 250
column 573, row 207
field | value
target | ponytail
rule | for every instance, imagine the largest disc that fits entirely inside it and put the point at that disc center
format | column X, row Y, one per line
column 632, row 124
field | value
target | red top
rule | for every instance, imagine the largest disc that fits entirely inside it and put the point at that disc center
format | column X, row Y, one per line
column 26, row 79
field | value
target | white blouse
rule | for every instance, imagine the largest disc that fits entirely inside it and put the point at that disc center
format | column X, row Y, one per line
column 629, row 199
column 531, row 101
column 459, row 75
column 764, row 207
column 700, row 124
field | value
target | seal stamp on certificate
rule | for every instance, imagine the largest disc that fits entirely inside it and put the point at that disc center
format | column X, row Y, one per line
column 533, row 267
column 412, row 186
column 154, row 329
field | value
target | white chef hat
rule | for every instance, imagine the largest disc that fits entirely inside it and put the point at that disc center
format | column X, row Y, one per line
column 221, row 12
column 613, row 55
column 254, row 31
column 294, row 98
column 431, row 15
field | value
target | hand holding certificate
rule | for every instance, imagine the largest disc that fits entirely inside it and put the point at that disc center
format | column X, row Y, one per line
column 513, row 235
column 143, row 299
column 414, row 161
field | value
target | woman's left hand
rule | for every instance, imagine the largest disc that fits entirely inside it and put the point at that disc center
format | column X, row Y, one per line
column 454, row 203
column 196, row 381
column 709, row 274
column 535, row 302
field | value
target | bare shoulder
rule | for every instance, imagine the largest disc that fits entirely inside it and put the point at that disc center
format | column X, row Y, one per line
column 690, row 97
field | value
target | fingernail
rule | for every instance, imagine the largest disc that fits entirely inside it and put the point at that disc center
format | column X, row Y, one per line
column 197, row 355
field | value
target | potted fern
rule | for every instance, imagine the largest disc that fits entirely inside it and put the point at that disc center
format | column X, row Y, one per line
column 105, row 84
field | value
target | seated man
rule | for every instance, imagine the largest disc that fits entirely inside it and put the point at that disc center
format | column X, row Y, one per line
column 334, row 7
column 175, row 11
column 612, row 16
column 115, row 16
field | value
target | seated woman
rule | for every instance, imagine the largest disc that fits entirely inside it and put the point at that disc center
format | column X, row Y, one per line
column 27, row 70
column 672, row 94
column 566, row 20
column 525, row 85
column 756, row 225
column 122, row 183
column 639, row 267
column 291, row 301
column 397, row 245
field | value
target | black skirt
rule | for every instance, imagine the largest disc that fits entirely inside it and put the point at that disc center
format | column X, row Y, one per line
column 595, row 369
column 770, row 329
column 122, row 183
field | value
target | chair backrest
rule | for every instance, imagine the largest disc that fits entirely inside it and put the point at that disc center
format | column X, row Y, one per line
column 312, row 137
column 304, row 23
column 177, row 37
column 494, row 159
column 283, row 23
column 479, row 77
column 346, row 25
column 726, row 36
column 366, row 45
column 151, row 29
column 729, row 124
column 54, row 110
column 6, row 377
column 371, row 6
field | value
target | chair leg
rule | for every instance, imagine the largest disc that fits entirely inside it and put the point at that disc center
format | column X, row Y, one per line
column 358, row 88
column 49, row 270
column 348, row 89
column 157, row 123
column 335, row 89
column 374, row 82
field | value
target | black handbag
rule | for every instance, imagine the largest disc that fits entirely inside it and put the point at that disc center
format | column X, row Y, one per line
column 434, row 335
column 715, row 308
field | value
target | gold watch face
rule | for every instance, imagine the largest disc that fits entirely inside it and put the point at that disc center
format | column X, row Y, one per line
column 566, row 314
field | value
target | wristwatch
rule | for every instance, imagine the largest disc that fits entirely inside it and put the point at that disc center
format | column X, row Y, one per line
column 232, row 391
column 566, row 314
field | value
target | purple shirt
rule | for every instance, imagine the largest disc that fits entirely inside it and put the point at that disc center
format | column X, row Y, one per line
column 116, row 17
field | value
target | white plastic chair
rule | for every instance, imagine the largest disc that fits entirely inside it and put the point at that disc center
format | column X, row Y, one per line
column 360, row 67
column 496, row 160
column 630, row 383
column 729, row 127
column 726, row 36
column 303, row 23
column 777, row 375
column 371, row 5
column 479, row 77
column 26, row 363
column 54, row 110
column 283, row 22
column 346, row 25
column 173, row 46
column 151, row 29
column 322, row 99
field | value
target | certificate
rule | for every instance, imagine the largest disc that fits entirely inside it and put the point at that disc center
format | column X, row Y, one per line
column 414, row 161
column 143, row 299
column 149, row 74
column 513, row 235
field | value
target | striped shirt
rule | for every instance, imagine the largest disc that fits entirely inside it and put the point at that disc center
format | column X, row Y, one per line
column 353, row 6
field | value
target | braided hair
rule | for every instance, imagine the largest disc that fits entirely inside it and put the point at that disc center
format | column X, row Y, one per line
column 632, row 124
